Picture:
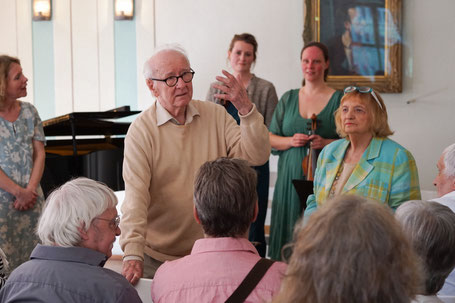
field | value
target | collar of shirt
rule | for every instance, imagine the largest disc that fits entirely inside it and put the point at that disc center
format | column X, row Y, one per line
column 449, row 195
column 447, row 200
column 163, row 116
column 69, row 254
column 222, row 244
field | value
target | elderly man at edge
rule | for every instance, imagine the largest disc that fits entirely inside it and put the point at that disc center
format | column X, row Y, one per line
column 430, row 228
column 225, row 254
column 77, row 228
column 164, row 148
column 445, row 180
column 445, row 184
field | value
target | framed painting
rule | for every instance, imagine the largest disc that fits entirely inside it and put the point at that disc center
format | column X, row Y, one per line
column 363, row 38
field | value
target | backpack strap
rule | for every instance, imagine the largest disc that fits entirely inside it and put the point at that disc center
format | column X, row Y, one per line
column 251, row 281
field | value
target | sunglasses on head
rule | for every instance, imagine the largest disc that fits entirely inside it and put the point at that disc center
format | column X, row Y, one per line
column 363, row 90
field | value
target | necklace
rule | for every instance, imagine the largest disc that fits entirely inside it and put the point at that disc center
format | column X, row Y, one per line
column 337, row 177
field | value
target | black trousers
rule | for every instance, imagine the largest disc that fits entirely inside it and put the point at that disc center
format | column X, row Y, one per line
column 257, row 234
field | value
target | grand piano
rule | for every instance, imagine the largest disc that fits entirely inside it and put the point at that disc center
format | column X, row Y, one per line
column 88, row 144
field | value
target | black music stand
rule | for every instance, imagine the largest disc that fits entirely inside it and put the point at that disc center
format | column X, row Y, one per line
column 304, row 188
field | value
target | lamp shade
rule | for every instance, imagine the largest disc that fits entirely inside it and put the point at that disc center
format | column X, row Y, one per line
column 42, row 10
column 124, row 9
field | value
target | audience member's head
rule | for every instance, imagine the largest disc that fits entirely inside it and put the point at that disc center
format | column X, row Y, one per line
column 77, row 228
column 225, row 197
column 445, row 180
column 430, row 227
column 351, row 250
column 80, row 213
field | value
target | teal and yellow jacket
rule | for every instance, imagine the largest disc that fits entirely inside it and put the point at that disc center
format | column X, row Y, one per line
column 386, row 172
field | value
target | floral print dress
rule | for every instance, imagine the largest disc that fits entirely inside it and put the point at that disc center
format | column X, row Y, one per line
column 17, row 228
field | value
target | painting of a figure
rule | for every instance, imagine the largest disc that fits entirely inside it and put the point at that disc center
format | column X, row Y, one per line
column 354, row 33
column 363, row 38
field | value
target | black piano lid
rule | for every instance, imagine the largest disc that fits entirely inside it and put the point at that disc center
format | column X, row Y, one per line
column 89, row 123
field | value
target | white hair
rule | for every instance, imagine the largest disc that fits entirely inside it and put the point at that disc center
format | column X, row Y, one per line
column 430, row 228
column 449, row 161
column 70, row 207
column 148, row 68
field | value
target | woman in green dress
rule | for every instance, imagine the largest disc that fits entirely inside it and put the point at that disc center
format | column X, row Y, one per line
column 290, row 138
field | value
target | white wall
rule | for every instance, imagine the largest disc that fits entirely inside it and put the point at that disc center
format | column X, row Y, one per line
column 145, row 43
column 427, row 125
column 16, row 36
column 205, row 27
column 84, row 55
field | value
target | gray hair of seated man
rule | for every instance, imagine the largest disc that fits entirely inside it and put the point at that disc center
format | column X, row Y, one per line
column 72, row 206
column 430, row 227
column 225, row 197
column 449, row 161
column 351, row 247
column 149, row 70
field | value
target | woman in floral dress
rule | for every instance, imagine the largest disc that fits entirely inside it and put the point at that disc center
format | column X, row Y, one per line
column 21, row 165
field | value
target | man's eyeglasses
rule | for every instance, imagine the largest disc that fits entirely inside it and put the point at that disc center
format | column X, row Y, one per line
column 113, row 223
column 363, row 90
column 172, row 80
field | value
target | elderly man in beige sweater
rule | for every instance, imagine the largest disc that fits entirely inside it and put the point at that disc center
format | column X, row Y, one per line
column 165, row 146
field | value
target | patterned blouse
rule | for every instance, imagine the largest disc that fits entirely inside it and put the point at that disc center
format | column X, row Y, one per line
column 3, row 268
column 17, row 228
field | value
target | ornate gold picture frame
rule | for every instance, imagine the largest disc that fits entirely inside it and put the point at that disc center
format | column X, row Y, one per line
column 364, row 41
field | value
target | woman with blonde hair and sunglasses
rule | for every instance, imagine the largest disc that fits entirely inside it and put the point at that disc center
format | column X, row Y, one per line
column 365, row 162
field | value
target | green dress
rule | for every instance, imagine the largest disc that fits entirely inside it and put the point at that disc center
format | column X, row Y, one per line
column 286, row 122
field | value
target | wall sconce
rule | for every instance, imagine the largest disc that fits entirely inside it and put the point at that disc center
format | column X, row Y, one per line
column 42, row 10
column 124, row 9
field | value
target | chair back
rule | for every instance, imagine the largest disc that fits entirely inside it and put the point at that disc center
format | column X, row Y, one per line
column 144, row 289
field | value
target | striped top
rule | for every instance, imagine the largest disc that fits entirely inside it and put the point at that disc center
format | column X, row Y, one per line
column 3, row 268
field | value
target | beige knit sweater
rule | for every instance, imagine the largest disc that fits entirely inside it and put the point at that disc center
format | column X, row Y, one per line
column 159, row 168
